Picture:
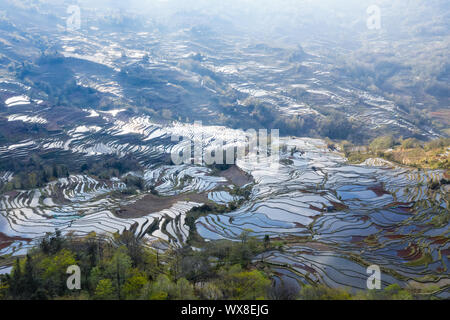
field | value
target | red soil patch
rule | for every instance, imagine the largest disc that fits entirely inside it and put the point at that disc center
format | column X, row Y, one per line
column 304, row 267
column 404, row 209
column 442, row 114
column 357, row 239
column 236, row 176
column 339, row 206
column 364, row 218
column 317, row 246
column 411, row 253
column 315, row 208
column 401, row 206
column 299, row 225
column 11, row 194
column 153, row 203
column 6, row 241
column 439, row 240
column 379, row 190
column 396, row 236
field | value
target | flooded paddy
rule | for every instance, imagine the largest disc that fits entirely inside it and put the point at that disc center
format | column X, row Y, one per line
column 334, row 219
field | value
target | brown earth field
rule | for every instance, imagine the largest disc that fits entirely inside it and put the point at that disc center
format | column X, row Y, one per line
column 6, row 241
column 153, row 203
column 236, row 176
column 442, row 115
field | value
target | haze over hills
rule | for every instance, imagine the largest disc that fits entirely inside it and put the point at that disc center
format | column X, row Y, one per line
column 320, row 63
column 88, row 114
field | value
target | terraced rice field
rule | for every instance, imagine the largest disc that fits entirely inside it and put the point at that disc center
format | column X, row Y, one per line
column 81, row 205
column 335, row 219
